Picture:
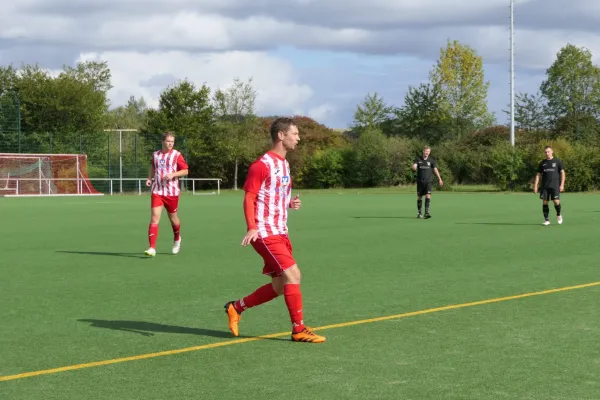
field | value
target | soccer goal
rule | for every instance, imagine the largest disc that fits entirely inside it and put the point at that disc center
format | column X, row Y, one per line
column 45, row 175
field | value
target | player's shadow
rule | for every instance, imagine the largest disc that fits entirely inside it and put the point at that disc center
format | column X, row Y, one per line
column 150, row 328
column 106, row 253
column 497, row 223
column 384, row 217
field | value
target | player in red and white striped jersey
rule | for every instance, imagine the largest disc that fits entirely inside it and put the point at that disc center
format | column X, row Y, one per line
column 168, row 165
column 268, row 196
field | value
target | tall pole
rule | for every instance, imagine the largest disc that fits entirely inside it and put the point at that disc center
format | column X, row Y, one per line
column 18, row 120
column 120, row 153
column 512, row 74
column 120, row 161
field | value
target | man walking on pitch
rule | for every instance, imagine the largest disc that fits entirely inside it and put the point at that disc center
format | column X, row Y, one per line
column 268, row 190
column 424, row 167
column 553, row 182
column 168, row 165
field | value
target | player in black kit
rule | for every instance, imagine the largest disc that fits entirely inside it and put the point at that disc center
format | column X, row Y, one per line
column 425, row 167
column 553, row 182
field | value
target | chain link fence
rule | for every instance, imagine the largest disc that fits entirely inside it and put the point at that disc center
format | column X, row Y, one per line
column 123, row 153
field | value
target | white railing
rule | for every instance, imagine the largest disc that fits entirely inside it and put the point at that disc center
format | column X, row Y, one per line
column 21, row 187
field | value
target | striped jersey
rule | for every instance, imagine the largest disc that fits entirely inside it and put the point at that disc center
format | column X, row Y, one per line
column 166, row 163
column 269, row 178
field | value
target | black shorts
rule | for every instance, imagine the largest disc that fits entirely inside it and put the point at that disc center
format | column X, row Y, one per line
column 549, row 194
column 424, row 188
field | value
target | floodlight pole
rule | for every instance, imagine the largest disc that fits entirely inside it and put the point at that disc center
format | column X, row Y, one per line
column 120, row 153
column 512, row 74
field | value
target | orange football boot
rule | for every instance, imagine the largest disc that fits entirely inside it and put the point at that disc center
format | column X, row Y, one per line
column 307, row 335
column 234, row 318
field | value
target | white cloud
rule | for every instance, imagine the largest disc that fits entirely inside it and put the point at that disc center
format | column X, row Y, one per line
column 321, row 112
column 148, row 43
column 275, row 80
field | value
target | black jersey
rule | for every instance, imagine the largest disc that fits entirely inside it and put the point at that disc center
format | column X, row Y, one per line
column 550, row 171
column 425, row 169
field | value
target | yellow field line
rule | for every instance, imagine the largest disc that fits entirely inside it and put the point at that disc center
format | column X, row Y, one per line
column 282, row 334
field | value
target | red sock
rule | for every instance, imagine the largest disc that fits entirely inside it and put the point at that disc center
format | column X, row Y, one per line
column 152, row 235
column 176, row 232
column 261, row 295
column 293, row 301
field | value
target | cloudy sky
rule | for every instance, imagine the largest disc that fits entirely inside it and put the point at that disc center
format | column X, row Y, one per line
column 311, row 57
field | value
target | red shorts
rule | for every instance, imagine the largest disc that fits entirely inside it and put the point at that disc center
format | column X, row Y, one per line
column 169, row 202
column 277, row 252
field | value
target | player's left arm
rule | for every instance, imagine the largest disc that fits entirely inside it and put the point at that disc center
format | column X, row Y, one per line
column 295, row 203
column 562, row 177
column 437, row 173
column 182, row 169
column 180, row 173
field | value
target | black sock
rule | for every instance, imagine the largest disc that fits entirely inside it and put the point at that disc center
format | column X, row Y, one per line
column 557, row 207
column 546, row 210
column 427, row 203
column 419, row 205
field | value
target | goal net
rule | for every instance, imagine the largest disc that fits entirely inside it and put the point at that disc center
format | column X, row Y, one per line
column 44, row 175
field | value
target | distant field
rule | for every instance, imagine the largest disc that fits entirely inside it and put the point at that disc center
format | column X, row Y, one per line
column 76, row 289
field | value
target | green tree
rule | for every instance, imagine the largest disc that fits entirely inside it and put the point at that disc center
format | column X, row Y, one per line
column 8, row 78
column 372, row 159
column 325, row 169
column 9, row 121
column 421, row 116
column 60, row 113
column 236, row 119
column 371, row 113
column 572, row 84
column 96, row 74
column 188, row 112
column 460, row 79
column 572, row 93
column 530, row 113
column 134, row 115
column 70, row 102
column 506, row 166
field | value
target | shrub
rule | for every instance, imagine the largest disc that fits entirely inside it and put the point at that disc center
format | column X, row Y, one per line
column 507, row 167
column 325, row 169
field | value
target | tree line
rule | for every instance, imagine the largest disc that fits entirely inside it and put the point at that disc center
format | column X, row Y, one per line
column 222, row 134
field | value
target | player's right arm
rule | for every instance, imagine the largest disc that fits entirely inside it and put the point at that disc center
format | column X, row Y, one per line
column 562, row 177
column 414, row 167
column 537, row 177
column 150, row 176
column 256, row 176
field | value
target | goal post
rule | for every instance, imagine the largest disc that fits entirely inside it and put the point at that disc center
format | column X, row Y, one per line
column 45, row 175
column 201, row 186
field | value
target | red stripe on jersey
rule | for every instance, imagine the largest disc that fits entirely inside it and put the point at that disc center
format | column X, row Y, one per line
column 269, row 178
column 277, row 197
column 166, row 163
column 288, row 192
column 168, row 186
column 267, row 200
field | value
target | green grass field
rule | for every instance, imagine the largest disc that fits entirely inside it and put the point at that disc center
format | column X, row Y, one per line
column 76, row 289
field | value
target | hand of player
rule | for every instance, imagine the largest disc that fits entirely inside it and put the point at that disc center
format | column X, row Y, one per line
column 169, row 176
column 250, row 237
column 441, row 182
column 296, row 203
column 535, row 189
column 561, row 188
column 148, row 182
